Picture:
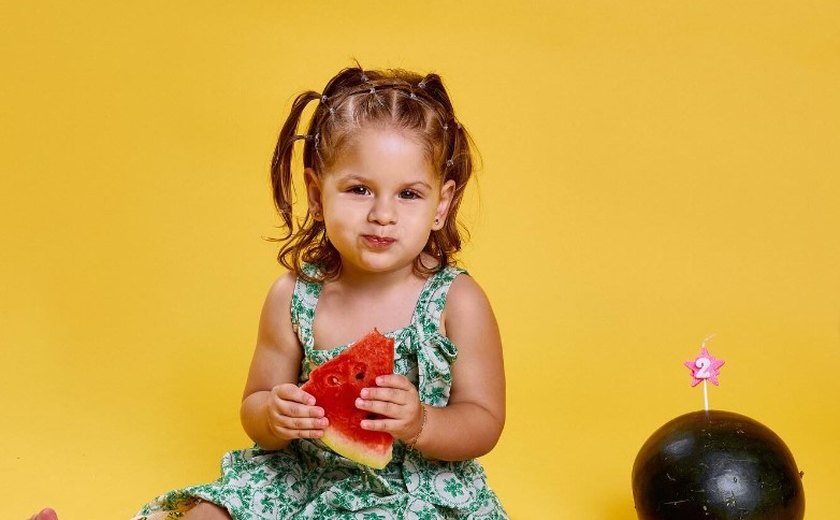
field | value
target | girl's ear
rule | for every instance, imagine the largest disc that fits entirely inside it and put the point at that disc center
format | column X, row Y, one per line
column 313, row 193
column 447, row 192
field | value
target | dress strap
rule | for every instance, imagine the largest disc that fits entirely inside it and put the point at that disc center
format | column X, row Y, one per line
column 432, row 299
column 304, row 300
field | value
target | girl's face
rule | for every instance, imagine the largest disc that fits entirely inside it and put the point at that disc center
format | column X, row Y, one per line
column 380, row 201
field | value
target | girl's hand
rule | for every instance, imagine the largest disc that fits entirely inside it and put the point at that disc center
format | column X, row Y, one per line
column 292, row 414
column 396, row 399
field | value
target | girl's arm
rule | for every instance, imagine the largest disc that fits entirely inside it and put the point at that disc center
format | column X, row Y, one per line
column 470, row 425
column 274, row 410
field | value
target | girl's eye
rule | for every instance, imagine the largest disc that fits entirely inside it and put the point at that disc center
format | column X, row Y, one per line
column 409, row 194
column 358, row 190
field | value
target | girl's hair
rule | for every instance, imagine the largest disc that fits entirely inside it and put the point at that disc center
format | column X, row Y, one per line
column 353, row 99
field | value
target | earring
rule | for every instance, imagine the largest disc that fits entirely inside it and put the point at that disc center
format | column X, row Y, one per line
column 437, row 221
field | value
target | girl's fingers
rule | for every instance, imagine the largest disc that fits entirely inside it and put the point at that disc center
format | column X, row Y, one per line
column 381, row 407
column 297, row 423
column 290, row 392
column 292, row 409
column 380, row 425
column 299, row 434
column 298, row 428
column 403, row 412
column 292, row 401
column 293, row 414
column 390, row 395
column 402, row 425
column 394, row 381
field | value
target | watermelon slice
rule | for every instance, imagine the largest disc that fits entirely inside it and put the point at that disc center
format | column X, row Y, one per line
column 336, row 385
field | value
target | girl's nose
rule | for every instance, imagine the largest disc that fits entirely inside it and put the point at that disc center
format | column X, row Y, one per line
column 382, row 212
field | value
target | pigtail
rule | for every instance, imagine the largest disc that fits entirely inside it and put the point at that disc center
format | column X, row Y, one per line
column 347, row 80
column 457, row 165
column 433, row 85
column 281, row 163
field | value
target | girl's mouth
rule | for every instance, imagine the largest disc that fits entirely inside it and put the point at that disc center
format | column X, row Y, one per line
column 377, row 241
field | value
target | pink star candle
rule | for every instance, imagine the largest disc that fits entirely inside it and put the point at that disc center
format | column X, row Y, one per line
column 705, row 367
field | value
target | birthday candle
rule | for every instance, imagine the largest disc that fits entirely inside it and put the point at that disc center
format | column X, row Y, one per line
column 705, row 367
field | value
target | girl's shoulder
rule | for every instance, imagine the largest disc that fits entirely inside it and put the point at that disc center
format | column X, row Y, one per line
column 285, row 285
column 465, row 294
column 467, row 303
column 277, row 307
column 282, row 288
column 275, row 328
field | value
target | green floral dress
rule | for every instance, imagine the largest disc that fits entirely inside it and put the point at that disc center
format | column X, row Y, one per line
column 306, row 480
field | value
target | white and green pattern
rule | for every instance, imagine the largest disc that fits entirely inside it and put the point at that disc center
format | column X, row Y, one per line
column 306, row 480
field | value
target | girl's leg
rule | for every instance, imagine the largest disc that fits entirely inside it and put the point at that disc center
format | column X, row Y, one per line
column 203, row 511
column 207, row 511
column 46, row 514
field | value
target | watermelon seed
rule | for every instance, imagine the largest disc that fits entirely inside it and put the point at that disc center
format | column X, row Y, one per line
column 359, row 370
column 333, row 380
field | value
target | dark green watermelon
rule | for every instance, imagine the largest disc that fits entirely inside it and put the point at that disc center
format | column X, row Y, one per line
column 715, row 465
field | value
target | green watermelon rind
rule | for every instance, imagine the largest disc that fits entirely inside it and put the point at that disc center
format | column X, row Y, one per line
column 347, row 447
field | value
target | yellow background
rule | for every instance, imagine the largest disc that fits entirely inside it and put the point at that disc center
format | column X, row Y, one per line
column 653, row 172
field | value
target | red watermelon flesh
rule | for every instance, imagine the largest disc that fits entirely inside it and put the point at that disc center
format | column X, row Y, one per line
column 336, row 385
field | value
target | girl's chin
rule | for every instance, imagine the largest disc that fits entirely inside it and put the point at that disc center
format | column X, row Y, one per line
column 381, row 266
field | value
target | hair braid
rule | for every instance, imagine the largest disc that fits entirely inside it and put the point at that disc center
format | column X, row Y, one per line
column 281, row 162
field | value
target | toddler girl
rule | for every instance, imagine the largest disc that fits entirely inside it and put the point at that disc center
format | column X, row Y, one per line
column 385, row 163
